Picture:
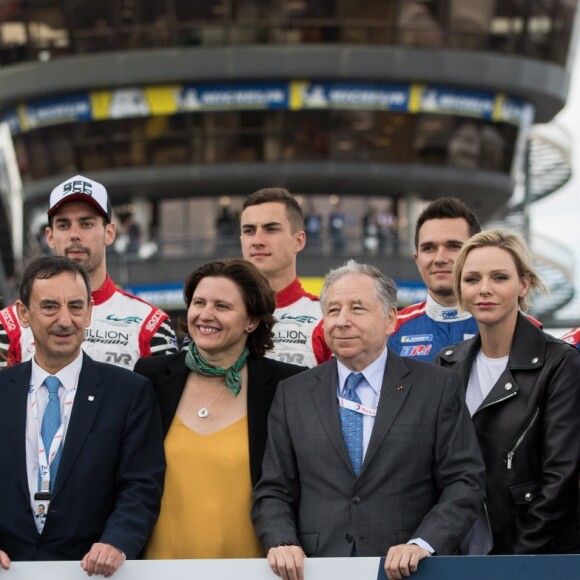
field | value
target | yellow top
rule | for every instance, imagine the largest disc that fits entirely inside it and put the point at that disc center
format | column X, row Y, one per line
column 205, row 510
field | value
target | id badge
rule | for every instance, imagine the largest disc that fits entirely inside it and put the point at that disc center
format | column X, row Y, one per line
column 41, row 505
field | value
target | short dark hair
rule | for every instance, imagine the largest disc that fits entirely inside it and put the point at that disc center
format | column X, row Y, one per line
column 46, row 267
column 294, row 212
column 447, row 208
column 256, row 293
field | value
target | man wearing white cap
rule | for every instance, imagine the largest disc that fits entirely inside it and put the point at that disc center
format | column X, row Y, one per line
column 123, row 327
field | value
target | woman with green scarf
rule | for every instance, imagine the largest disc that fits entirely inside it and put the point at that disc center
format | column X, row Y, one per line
column 215, row 398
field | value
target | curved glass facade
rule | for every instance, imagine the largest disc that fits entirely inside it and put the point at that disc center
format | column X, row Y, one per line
column 46, row 29
column 266, row 136
column 200, row 125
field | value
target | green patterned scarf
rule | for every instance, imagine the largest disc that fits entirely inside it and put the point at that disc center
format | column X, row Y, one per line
column 196, row 363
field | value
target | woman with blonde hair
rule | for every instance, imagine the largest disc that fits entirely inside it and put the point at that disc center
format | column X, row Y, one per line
column 523, row 392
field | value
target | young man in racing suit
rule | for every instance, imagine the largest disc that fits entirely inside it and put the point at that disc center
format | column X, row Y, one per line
column 423, row 329
column 123, row 327
column 272, row 235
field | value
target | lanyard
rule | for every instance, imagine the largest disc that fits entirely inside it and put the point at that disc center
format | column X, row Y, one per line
column 44, row 460
column 356, row 407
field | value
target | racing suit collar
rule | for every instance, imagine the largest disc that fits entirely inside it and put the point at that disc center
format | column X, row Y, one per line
column 104, row 292
column 440, row 313
column 290, row 294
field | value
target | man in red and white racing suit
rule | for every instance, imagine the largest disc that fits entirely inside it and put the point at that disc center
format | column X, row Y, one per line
column 272, row 235
column 123, row 327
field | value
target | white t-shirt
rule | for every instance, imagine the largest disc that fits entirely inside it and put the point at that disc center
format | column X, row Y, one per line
column 485, row 372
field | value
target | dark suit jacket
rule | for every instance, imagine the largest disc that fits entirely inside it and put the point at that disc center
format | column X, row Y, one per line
column 168, row 374
column 110, row 479
column 422, row 475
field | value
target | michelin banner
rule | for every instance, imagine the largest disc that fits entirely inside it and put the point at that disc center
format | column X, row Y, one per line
column 437, row 568
column 296, row 95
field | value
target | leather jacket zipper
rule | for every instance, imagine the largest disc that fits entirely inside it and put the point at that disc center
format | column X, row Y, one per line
column 497, row 401
column 521, row 438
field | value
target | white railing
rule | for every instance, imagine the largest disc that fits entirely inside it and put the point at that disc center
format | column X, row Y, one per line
column 564, row 567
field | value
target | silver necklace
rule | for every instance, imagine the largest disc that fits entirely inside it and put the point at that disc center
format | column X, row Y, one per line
column 203, row 412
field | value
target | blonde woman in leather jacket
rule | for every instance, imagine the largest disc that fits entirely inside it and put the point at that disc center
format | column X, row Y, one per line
column 523, row 392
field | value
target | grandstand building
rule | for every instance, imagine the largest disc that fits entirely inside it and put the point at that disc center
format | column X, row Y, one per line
column 182, row 108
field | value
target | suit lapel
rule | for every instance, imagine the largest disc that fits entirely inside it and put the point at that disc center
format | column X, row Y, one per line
column 260, row 395
column 326, row 404
column 86, row 405
column 169, row 388
column 15, row 394
column 394, row 391
column 259, row 399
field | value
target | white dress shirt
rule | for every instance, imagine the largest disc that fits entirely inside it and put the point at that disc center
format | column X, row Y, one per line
column 369, row 391
column 69, row 378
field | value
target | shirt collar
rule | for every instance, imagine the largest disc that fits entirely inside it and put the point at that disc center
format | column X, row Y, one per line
column 68, row 375
column 444, row 313
column 373, row 374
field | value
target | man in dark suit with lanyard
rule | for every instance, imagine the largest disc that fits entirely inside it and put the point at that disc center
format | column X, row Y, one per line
column 80, row 441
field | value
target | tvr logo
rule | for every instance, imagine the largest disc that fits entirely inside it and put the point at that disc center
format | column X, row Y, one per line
column 118, row 358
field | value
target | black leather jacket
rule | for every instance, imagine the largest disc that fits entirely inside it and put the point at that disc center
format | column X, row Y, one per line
column 529, row 433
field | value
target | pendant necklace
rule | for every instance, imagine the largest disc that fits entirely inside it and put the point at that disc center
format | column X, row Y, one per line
column 203, row 413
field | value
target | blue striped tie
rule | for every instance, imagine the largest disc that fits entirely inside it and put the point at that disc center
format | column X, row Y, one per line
column 51, row 422
column 352, row 422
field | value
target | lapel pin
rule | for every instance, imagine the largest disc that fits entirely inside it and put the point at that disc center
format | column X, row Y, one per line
column 399, row 388
column 91, row 398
